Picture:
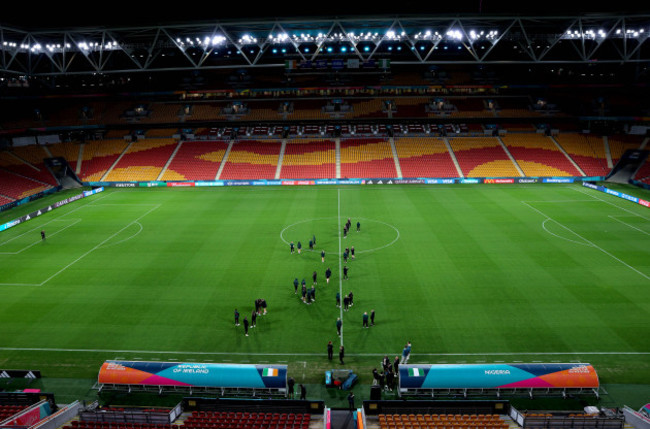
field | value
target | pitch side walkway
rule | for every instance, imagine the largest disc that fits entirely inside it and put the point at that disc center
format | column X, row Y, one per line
column 343, row 419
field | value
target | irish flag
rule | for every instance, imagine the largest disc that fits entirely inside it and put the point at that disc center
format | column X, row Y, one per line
column 270, row 372
column 416, row 372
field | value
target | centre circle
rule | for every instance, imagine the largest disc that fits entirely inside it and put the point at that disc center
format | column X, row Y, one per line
column 326, row 231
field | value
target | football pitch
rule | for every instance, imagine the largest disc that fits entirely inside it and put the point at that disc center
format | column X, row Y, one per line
column 468, row 274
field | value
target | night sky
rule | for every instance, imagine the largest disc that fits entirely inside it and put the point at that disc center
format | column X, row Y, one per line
column 119, row 13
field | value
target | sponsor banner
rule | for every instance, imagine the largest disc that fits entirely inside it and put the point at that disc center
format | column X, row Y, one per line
column 124, row 184
column 93, row 192
column 213, row 183
column 298, row 182
column 238, row 182
column 10, row 224
column 502, row 376
column 259, row 183
column 439, row 181
column 154, row 184
column 558, row 180
column 351, row 182
column 616, row 193
column 469, row 181
column 179, row 184
column 327, row 182
column 498, row 181
column 621, row 195
column 186, row 374
column 408, row 181
column 49, row 208
column 527, row 180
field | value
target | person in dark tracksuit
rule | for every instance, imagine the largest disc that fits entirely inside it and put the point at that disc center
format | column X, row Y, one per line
column 246, row 326
column 236, row 317
column 330, row 350
column 295, row 285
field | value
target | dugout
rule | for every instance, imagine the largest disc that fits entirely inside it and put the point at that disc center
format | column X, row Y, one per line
column 194, row 378
column 498, row 380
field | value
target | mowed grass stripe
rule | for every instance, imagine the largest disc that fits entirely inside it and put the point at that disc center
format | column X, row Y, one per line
column 473, row 272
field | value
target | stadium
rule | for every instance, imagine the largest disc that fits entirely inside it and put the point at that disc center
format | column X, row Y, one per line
column 431, row 219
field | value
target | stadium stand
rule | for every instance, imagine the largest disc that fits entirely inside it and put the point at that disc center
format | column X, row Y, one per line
column 643, row 174
column 588, row 151
column 410, row 107
column 14, row 180
column 252, row 159
column 19, row 187
column 370, row 108
column 196, row 160
column 442, row 421
column 7, row 411
column 4, row 200
column 469, row 107
column 538, row 156
column 309, row 159
column 619, row 143
column 246, row 420
column 143, row 160
column 424, row 157
column 367, row 158
column 98, row 157
column 67, row 150
column 308, row 109
column 28, row 162
column 482, row 157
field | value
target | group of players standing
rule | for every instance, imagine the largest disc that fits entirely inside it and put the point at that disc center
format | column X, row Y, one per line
column 260, row 310
column 308, row 294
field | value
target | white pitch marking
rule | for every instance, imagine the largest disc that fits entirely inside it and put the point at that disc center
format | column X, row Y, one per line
column 381, row 354
column 38, row 241
column 96, row 247
column 559, row 236
column 338, row 216
column 609, row 202
column 126, row 239
column 591, row 243
column 339, row 253
column 627, row 224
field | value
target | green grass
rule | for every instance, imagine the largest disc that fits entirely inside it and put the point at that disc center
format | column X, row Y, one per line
column 488, row 273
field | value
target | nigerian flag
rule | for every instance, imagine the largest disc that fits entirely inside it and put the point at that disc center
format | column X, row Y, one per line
column 270, row 372
column 416, row 372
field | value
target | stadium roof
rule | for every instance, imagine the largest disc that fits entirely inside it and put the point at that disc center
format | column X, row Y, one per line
column 77, row 13
column 118, row 38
